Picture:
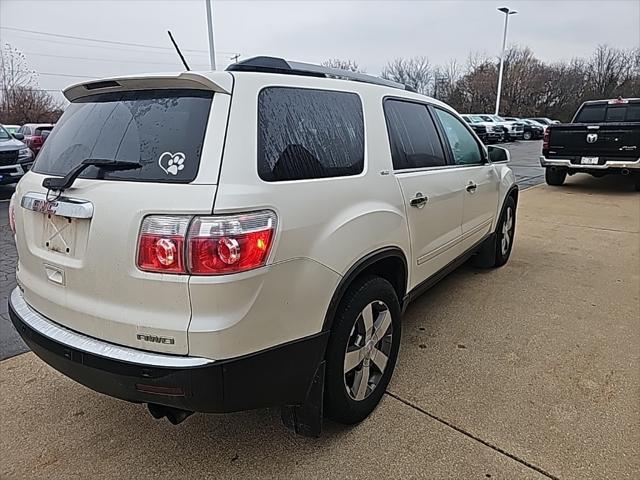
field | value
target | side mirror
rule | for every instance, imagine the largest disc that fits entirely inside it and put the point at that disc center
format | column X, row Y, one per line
column 498, row 154
column 18, row 136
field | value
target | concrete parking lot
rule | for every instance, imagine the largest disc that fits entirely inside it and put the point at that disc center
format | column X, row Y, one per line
column 529, row 371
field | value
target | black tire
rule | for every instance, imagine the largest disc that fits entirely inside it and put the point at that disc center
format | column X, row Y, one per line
column 527, row 136
column 347, row 332
column 555, row 177
column 506, row 228
column 637, row 183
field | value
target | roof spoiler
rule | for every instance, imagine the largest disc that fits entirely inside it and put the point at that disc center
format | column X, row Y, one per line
column 219, row 82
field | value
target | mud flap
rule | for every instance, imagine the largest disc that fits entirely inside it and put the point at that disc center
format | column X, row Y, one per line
column 306, row 419
column 486, row 255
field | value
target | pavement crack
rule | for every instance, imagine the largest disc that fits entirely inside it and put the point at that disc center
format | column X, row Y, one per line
column 585, row 226
column 473, row 437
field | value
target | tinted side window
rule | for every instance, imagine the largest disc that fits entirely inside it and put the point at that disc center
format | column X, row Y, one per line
column 464, row 147
column 616, row 114
column 413, row 136
column 633, row 113
column 591, row 113
column 304, row 133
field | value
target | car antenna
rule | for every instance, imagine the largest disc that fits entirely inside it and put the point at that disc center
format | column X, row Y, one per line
column 184, row 62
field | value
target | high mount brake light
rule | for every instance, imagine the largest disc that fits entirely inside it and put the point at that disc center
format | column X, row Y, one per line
column 212, row 245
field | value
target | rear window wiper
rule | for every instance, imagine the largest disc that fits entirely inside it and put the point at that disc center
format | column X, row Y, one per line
column 59, row 184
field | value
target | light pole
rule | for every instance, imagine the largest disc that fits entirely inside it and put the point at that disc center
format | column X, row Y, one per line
column 507, row 11
column 212, row 52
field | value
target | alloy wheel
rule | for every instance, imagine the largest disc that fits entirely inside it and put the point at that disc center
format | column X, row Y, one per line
column 368, row 350
column 507, row 231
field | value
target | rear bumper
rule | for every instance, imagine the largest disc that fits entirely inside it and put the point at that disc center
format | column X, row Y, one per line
column 278, row 376
column 608, row 165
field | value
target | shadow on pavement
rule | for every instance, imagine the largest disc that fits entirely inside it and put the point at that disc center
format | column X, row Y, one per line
column 609, row 184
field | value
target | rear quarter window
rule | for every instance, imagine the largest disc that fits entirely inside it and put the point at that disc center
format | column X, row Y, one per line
column 307, row 133
column 161, row 129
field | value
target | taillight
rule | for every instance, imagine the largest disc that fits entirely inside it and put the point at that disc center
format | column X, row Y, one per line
column 230, row 244
column 162, row 243
column 545, row 139
column 12, row 214
column 212, row 245
column 37, row 140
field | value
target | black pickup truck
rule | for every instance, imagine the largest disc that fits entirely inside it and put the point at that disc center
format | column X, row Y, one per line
column 603, row 138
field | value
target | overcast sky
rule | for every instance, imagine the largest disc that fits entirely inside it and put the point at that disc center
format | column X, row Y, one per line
column 369, row 32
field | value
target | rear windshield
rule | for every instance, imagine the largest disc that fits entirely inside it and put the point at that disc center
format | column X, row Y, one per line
column 163, row 130
column 43, row 131
column 608, row 113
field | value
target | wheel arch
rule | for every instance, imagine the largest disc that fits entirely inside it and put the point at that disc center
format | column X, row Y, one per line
column 389, row 263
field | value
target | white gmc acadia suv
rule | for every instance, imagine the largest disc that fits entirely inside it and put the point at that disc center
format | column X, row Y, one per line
column 223, row 241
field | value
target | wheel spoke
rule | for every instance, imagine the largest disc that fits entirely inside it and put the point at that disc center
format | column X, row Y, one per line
column 382, row 324
column 380, row 359
column 367, row 318
column 352, row 359
column 508, row 223
column 362, row 381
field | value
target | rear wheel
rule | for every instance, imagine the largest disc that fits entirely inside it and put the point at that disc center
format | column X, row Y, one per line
column 362, row 350
column 555, row 177
column 527, row 135
column 505, row 232
column 637, row 183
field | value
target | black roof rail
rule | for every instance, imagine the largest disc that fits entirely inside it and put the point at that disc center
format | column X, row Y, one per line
column 280, row 65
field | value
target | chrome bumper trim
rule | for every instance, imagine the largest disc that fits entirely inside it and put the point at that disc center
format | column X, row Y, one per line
column 91, row 345
column 565, row 163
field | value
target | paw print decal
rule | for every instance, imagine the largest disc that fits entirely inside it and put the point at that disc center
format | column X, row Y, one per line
column 171, row 163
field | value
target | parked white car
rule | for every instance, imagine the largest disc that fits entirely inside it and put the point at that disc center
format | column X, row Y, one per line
column 248, row 238
column 495, row 132
column 512, row 130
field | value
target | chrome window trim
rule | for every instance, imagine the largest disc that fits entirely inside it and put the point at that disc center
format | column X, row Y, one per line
column 63, row 206
column 84, row 343
column 439, row 167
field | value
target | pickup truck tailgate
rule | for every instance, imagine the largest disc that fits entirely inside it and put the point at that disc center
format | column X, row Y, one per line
column 605, row 140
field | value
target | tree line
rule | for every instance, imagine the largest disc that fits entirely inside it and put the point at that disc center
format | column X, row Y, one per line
column 21, row 100
column 530, row 88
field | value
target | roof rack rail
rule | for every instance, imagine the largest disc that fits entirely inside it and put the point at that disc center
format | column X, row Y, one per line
column 280, row 65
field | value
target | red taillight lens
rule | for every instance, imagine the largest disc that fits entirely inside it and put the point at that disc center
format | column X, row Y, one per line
column 37, row 140
column 545, row 139
column 162, row 243
column 230, row 244
column 12, row 214
column 211, row 246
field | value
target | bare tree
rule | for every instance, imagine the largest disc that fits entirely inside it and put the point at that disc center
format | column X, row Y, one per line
column 608, row 69
column 340, row 64
column 415, row 72
column 21, row 101
column 445, row 78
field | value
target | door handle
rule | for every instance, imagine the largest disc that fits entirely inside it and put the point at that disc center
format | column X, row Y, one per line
column 471, row 188
column 418, row 201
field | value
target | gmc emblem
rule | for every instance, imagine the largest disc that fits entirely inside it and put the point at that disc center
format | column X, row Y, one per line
column 145, row 337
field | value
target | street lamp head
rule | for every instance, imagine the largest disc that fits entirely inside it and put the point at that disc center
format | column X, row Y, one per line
column 507, row 10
